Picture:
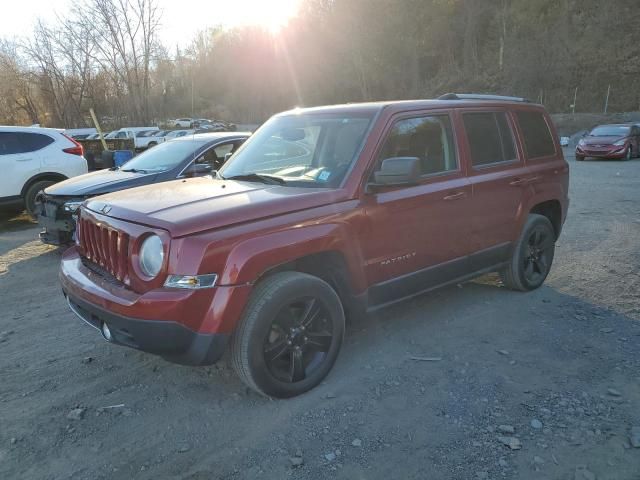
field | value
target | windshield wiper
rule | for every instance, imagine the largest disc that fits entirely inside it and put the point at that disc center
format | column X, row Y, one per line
column 257, row 177
column 134, row 170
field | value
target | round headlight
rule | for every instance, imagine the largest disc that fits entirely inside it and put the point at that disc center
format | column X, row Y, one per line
column 151, row 256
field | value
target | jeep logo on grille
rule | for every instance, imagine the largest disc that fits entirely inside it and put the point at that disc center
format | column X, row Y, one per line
column 105, row 209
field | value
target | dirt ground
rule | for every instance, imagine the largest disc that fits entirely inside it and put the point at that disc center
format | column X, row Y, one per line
column 555, row 374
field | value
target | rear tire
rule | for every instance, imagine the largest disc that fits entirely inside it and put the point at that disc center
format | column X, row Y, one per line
column 532, row 256
column 30, row 196
column 289, row 335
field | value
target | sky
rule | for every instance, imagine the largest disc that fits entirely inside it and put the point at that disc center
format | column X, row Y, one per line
column 181, row 19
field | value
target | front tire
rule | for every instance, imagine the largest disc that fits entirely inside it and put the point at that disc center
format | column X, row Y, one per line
column 289, row 336
column 532, row 256
column 30, row 196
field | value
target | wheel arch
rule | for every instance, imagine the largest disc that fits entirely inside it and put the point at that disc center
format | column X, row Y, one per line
column 42, row 176
column 326, row 251
column 552, row 210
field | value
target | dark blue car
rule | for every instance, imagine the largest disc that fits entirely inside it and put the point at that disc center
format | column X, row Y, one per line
column 188, row 156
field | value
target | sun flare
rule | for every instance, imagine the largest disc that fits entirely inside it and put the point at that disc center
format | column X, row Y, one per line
column 269, row 14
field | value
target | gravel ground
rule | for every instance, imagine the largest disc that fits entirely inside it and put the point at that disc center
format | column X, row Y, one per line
column 469, row 382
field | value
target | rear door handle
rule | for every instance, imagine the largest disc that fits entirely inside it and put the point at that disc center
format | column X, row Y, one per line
column 518, row 181
column 455, row 196
column 23, row 159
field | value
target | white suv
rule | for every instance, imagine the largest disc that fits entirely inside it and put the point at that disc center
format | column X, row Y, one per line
column 31, row 159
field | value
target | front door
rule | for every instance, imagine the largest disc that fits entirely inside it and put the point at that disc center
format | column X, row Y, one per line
column 19, row 161
column 417, row 235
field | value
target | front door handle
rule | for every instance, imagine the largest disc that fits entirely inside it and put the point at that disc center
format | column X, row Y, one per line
column 23, row 159
column 455, row 196
column 517, row 182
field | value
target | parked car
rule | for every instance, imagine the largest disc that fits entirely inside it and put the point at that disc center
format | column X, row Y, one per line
column 621, row 141
column 139, row 135
column 322, row 212
column 185, row 157
column 181, row 122
column 178, row 133
column 33, row 159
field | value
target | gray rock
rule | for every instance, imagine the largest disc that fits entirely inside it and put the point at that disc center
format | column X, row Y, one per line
column 503, row 463
column 357, row 442
column 330, row 457
column 583, row 473
column 634, row 438
column 296, row 461
column 87, row 360
column 503, row 352
column 506, row 429
column 13, row 440
column 538, row 460
column 76, row 414
column 614, row 393
column 537, row 424
column 606, row 330
column 512, row 442
column 184, row 447
column 482, row 475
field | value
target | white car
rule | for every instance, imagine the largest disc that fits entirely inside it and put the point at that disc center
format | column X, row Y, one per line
column 178, row 133
column 181, row 122
column 32, row 159
column 139, row 136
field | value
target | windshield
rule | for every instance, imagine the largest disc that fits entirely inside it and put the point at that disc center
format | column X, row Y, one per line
column 610, row 131
column 162, row 157
column 314, row 150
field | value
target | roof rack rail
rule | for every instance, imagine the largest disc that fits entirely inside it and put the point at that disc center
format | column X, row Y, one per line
column 479, row 96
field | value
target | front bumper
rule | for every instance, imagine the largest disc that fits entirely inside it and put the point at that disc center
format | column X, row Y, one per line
column 170, row 340
column 190, row 327
column 58, row 225
column 614, row 152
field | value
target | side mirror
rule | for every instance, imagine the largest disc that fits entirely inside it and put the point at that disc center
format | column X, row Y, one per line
column 198, row 169
column 398, row 171
column 227, row 157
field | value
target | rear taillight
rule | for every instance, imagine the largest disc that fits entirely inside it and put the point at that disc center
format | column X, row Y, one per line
column 76, row 149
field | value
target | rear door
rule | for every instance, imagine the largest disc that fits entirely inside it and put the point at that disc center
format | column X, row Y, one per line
column 498, row 176
column 20, row 159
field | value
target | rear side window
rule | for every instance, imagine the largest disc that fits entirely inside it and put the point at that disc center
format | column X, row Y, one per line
column 31, row 142
column 538, row 141
column 490, row 138
column 22, row 142
column 428, row 138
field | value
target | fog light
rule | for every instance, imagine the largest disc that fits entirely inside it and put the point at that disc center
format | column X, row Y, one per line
column 106, row 333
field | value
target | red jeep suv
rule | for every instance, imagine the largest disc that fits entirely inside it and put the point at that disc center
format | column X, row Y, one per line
column 322, row 213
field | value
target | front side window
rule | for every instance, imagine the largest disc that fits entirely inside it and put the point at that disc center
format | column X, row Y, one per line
column 9, row 144
column 538, row 141
column 428, row 138
column 163, row 157
column 490, row 138
column 308, row 150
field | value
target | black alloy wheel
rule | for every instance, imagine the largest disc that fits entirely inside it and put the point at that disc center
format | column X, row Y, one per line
column 289, row 335
column 532, row 255
column 537, row 261
column 299, row 340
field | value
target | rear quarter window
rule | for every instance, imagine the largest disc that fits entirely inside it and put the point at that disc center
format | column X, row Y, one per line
column 537, row 138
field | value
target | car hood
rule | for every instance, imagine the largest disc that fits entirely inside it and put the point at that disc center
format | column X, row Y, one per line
column 602, row 140
column 98, row 183
column 194, row 205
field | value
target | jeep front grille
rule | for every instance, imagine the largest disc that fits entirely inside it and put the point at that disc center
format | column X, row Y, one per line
column 106, row 247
